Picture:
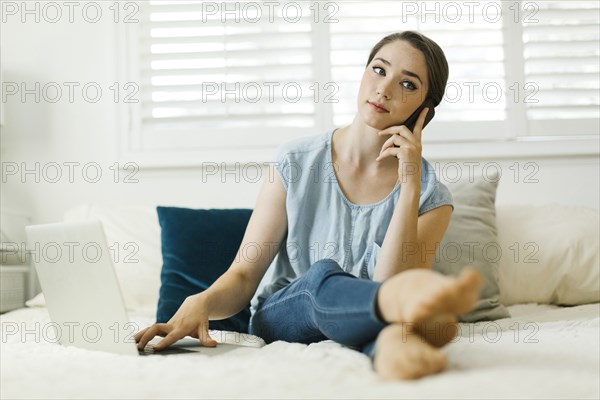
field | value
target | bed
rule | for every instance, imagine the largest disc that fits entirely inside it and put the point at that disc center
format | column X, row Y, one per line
column 542, row 351
column 548, row 347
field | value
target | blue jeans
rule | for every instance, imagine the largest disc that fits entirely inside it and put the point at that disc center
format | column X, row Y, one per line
column 325, row 303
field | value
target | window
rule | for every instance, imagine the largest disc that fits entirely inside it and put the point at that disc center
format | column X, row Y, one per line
column 229, row 81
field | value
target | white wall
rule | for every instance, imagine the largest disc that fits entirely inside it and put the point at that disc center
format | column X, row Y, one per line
column 86, row 132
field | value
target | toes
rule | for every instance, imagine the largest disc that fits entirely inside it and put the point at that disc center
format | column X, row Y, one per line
column 456, row 296
column 469, row 284
column 470, row 278
column 462, row 293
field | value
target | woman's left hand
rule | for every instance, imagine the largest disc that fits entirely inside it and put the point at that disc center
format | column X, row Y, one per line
column 406, row 147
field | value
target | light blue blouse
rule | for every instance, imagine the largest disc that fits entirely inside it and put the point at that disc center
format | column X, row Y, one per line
column 323, row 223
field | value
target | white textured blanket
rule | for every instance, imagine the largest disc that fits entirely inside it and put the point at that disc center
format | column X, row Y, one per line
column 541, row 352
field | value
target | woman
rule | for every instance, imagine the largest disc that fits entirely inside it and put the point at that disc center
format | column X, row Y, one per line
column 355, row 244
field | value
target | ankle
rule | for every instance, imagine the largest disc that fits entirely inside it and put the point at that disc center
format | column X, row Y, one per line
column 379, row 306
column 384, row 304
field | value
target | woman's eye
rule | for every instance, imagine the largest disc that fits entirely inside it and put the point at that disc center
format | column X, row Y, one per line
column 409, row 85
column 379, row 70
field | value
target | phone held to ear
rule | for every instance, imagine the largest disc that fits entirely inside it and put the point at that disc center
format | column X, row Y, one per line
column 412, row 120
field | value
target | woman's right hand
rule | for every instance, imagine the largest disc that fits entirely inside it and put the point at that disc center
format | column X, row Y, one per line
column 191, row 319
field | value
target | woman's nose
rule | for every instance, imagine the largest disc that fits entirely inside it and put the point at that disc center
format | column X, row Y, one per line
column 384, row 90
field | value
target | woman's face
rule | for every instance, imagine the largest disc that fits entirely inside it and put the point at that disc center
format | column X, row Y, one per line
column 393, row 85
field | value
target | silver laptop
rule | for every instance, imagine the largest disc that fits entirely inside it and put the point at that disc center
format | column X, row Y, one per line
column 83, row 297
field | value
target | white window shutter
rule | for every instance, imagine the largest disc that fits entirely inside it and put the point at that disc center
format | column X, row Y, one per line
column 199, row 75
column 209, row 83
column 562, row 66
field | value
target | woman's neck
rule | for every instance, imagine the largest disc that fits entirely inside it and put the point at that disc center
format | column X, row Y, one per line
column 357, row 145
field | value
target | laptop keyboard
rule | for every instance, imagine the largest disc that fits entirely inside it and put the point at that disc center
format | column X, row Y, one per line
column 149, row 350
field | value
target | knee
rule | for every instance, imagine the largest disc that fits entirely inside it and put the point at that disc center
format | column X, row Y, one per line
column 261, row 329
column 325, row 267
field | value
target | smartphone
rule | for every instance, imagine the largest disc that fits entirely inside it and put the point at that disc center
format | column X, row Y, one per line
column 412, row 120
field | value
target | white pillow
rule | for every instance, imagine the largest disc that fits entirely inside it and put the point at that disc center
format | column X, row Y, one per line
column 550, row 254
column 133, row 236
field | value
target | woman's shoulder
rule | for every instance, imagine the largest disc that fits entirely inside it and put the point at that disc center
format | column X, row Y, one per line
column 434, row 193
column 303, row 145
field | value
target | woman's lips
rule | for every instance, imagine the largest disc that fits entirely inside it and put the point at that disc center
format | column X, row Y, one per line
column 378, row 107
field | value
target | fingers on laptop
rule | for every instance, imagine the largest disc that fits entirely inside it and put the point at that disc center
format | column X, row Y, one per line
column 168, row 340
column 205, row 338
column 149, row 333
column 176, row 335
column 139, row 335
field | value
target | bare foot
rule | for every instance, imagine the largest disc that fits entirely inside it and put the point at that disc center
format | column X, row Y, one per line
column 438, row 330
column 417, row 295
column 402, row 354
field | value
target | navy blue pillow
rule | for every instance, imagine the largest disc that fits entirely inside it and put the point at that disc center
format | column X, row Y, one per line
column 198, row 246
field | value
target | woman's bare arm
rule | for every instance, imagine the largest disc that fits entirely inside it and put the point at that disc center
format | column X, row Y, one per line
column 263, row 237
column 234, row 289
column 411, row 240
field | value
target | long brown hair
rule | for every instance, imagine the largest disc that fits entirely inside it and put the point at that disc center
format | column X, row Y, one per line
column 435, row 59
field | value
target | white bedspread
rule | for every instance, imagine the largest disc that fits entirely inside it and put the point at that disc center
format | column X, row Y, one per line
column 541, row 352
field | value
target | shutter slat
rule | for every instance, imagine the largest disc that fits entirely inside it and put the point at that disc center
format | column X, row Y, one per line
column 217, row 118
column 291, row 68
column 303, row 25
column 147, row 56
column 197, row 88
column 214, row 10
column 282, row 41
column 195, row 97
